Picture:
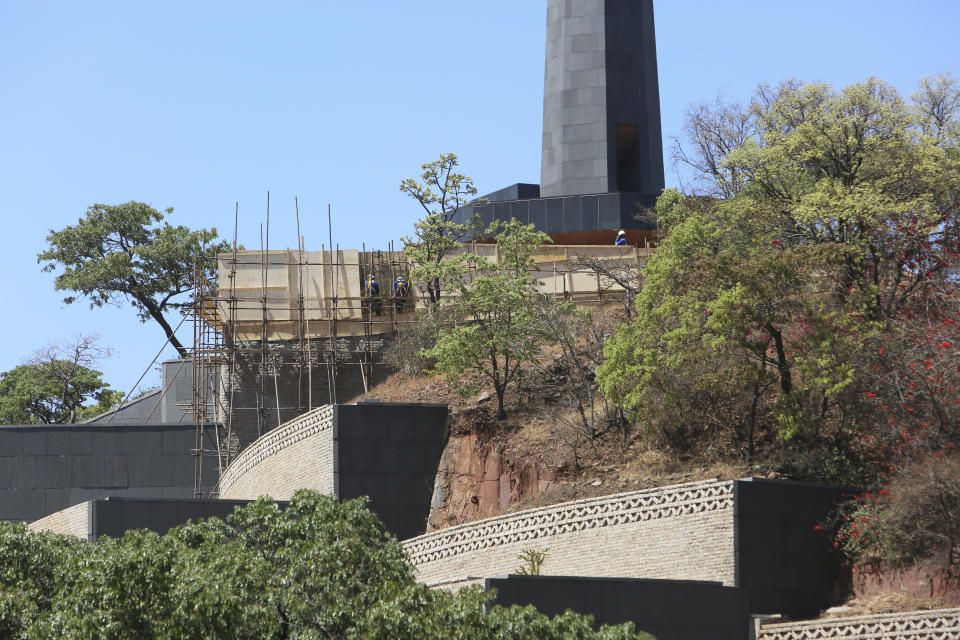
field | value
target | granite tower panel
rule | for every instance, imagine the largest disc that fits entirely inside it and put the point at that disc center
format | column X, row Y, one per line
column 601, row 105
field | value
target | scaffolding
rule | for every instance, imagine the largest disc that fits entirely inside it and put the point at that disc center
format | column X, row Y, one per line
column 285, row 312
column 282, row 315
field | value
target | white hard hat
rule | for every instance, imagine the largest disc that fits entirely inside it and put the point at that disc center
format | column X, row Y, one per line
column 621, row 232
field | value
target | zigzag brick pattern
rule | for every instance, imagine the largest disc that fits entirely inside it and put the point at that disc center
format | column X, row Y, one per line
column 942, row 624
column 296, row 455
column 681, row 532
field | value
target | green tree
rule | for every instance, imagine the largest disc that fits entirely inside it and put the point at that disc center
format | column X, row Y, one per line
column 497, row 329
column 315, row 569
column 55, row 386
column 435, row 249
column 123, row 252
column 35, row 571
column 840, row 210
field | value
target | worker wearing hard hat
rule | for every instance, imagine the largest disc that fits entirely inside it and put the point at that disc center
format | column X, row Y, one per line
column 621, row 240
column 400, row 290
column 371, row 291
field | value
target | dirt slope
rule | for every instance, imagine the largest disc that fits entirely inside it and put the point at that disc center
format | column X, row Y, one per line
column 492, row 466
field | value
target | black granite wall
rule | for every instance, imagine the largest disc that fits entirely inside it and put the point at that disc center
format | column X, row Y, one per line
column 784, row 563
column 390, row 452
column 601, row 100
column 667, row 609
column 115, row 516
column 570, row 213
column 44, row 469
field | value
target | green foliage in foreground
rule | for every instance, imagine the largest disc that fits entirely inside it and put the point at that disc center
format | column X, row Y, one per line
column 318, row 569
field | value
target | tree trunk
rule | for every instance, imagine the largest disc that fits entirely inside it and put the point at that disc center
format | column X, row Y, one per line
column 501, row 412
column 786, row 379
column 162, row 321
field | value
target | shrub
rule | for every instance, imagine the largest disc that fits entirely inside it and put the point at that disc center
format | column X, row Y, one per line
column 915, row 518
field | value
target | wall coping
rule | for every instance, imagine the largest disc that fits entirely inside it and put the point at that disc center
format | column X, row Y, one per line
column 300, row 428
column 576, row 515
column 119, row 425
column 881, row 625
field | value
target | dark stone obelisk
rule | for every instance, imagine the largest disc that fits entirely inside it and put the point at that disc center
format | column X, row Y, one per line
column 602, row 163
column 601, row 104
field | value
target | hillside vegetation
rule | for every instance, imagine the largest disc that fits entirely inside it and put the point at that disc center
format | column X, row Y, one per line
column 314, row 569
column 799, row 319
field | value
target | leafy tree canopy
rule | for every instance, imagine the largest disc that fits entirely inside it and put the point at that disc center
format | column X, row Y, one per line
column 317, row 569
column 128, row 252
column 434, row 249
column 829, row 214
column 497, row 328
column 56, row 385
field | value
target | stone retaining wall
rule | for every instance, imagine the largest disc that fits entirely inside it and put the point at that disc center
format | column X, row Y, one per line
column 296, row 455
column 681, row 532
column 941, row 624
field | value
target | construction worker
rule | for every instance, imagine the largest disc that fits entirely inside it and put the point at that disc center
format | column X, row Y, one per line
column 400, row 290
column 621, row 240
column 371, row 291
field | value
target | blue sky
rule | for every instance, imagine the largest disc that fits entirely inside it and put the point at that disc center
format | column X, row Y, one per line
column 198, row 105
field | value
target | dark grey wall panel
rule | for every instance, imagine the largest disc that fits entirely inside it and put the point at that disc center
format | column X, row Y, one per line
column 44, row 469
column 571, row 213
column 668, row 609
column 782, row 561
column 114, row 516
column 519, row 191
column 390, row 452
column 600, row 72
column 158, row 407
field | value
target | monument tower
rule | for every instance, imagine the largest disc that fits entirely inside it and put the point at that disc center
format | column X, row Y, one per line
column 602, row 153
column 601, row 99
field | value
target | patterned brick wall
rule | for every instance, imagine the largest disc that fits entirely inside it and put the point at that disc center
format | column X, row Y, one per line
column 73, row 521
column 941, row 624
column 297, row 455
column 682, row 532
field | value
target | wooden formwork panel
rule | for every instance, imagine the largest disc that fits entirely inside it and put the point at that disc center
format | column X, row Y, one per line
column 330, row 285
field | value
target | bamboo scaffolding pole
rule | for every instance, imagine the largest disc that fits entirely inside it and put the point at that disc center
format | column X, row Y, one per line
column 300, row 315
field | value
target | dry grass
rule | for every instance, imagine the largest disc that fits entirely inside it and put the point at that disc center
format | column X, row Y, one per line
column 541, row 429
column 886, row 603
